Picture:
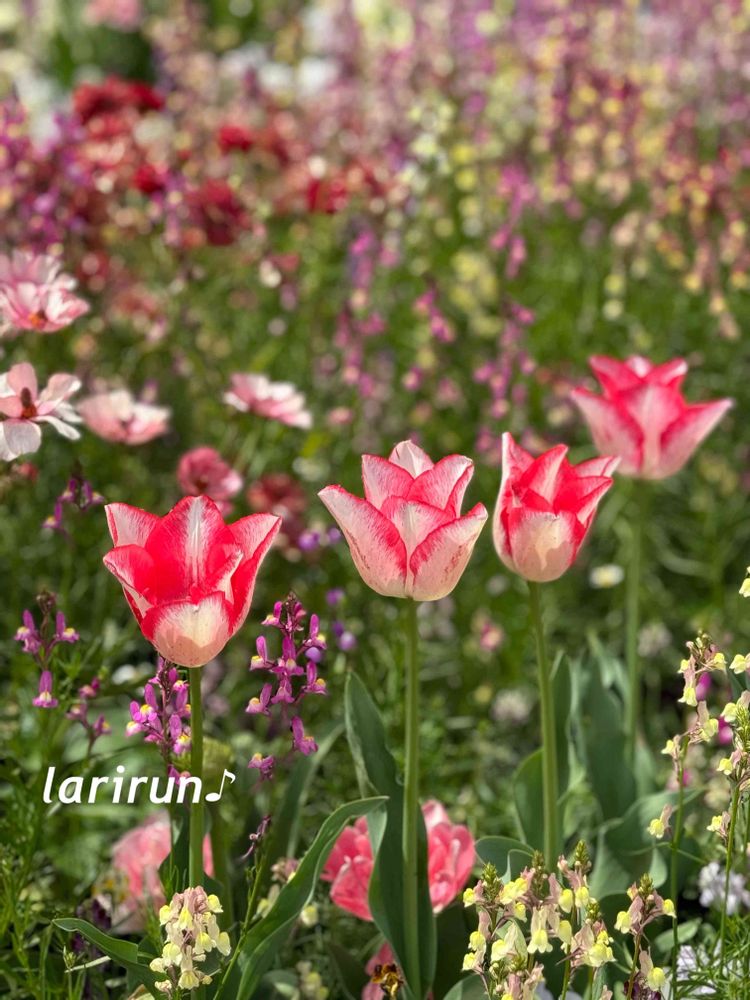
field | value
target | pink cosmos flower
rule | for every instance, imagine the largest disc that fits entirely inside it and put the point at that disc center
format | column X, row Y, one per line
column 642, row 416
column 34, row 295
column 137, row 855
column 203, row 472
column 450, row 858
column 188, row 576
column 407, row 537
column 25, row 408
column 274, row 400
column 117, row 416
column 122, row 15
column 545, row 508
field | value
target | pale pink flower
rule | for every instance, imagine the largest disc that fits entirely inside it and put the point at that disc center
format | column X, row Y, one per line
column 117, row 416
column 122, row 15
column 34, row 295
column 274, row 400
column 450, row 858
column 138, row 855
column 25, row 408
column 203, row 472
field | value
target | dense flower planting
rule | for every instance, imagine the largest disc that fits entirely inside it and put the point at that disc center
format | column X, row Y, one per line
column 491, row 260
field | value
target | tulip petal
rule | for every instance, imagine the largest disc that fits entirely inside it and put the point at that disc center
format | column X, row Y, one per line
column 374, row 543
column 411, row 457
column 544, row 473
column 18, row 437
column 582, row 496
column 181, row 542
column 383, row 479
column 515, row 461
column 437, row 564
column 613, row 431
column 444, row 484
column 604, row 466
column 255, row 535
column 617, row 376
column 414, row 521
column 129, row 525
column 681, row 438
column 189, row 633
column 541, row 546
column 134, row 567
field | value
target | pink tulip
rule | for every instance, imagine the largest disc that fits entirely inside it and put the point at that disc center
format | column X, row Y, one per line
column 384, row 956
column 34, row 295
column 25, row 408
column 137, row 856
column 407, row 538
column 642, row 416
column 203, row 472
column 450, row 858
column 188, row 577
column 117, row 416
column 545, row 508
column 273, row 400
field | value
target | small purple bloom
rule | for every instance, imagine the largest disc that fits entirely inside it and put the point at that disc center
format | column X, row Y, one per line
column 45, row 699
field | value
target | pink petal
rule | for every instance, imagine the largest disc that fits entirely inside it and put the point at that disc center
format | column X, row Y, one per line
column 414, row 521
column 409, row 456
column 683, row 436
column 134, row 568
column 255, row 534
column 445, row 483
column 671, row 373
column 438, row 563
column 351, row 886
column 614, row 431
column 618, row 376
column 541, row 546
column 515, row 461
column 604, row 466
column 544, row 474
column 581, row 496
column 59, row 388
column 382, row 479
column 374, row 543
column 23, row 376
column 434, row 812
column 18, row 437
column 129, row 525
column 182, row 540
column 189, row 633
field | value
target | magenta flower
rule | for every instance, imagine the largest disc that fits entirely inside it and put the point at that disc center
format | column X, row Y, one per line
column 34, row 295
column 273, row 400
column 642, row 416
column 117, row 416
column 407, row 537
column 25, row 408
column 45, row 699
column 203, row 472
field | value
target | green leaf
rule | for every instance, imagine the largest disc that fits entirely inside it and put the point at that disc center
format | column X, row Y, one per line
column 527, row 793
column 125, row 953
column 350, row 973
column 562, row 694
column 497, row 851
column 266, row 937
column 454, row 925
column 377, row 769
column 468, row 988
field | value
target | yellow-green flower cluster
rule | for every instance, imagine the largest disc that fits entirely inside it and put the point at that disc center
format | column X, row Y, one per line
column 192, row 933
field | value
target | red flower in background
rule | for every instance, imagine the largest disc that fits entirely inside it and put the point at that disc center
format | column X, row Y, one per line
column 188, row 576
column 642, row 416
column 218, row 212
column 114, row 96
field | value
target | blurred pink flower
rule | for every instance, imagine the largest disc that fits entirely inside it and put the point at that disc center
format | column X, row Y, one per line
column 24, row 408
column 274, row 400
column 384, row 956
column 450, row 858
column 122, row 15
column 34, row 295
column 203, row 472
column 137, row 855
column 117, row 416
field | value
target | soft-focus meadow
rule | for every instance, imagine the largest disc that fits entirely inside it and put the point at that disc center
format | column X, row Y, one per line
column 244, row 244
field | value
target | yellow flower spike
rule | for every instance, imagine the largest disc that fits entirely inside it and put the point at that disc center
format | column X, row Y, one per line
column 224, row 944
column 669, row 908
column 476, row 940
column 656, row 978
column 715, row 825
column 164, row 914
column 582, row 896
column 729, row 714
column 725, row 767
column 740, row 664
column 469, row 897
column 622, row 924
column 185, row 920
column 188, row 980
column 656, row 828
column 565, row 932
column 566, row 900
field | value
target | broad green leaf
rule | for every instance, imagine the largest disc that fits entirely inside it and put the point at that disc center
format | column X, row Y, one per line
column 496, row 851
column 349, row 972
column 125, row 953
column 469, row 988
column 454, row 925
column 377, row 768
column 266, row 937
column 527, row 794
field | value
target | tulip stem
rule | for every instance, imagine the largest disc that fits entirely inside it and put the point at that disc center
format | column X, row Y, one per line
column 550, row 788
column 411, row 802
column 196, row 770
column 632, row 624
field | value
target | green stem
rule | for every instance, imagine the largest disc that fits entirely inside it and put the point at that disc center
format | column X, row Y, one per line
column 549, row 742
column 632, row 623
column 196, row 770
column 411, row 802
column 675, row 846
column 220, row 854
column 728, row 872
column 634, row 967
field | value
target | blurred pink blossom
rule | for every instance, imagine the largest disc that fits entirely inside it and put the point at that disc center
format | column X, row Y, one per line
column 202, row 471
column 122, row 15
column 24, row 408
column 117, row 416
column 274, row 400
column 34, row 295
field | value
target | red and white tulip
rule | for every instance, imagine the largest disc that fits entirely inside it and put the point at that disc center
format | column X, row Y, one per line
column 188, row 576
column 407, row 536
column 642, row 416
column 545, row 508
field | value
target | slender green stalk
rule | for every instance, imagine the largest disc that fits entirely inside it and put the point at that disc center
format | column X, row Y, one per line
column 728, row 871
column 632, row 622
column 634, row 967
column 675, row 847
column 550, row 781
column 220, row 855
column 196, row 770
column 411, row 801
